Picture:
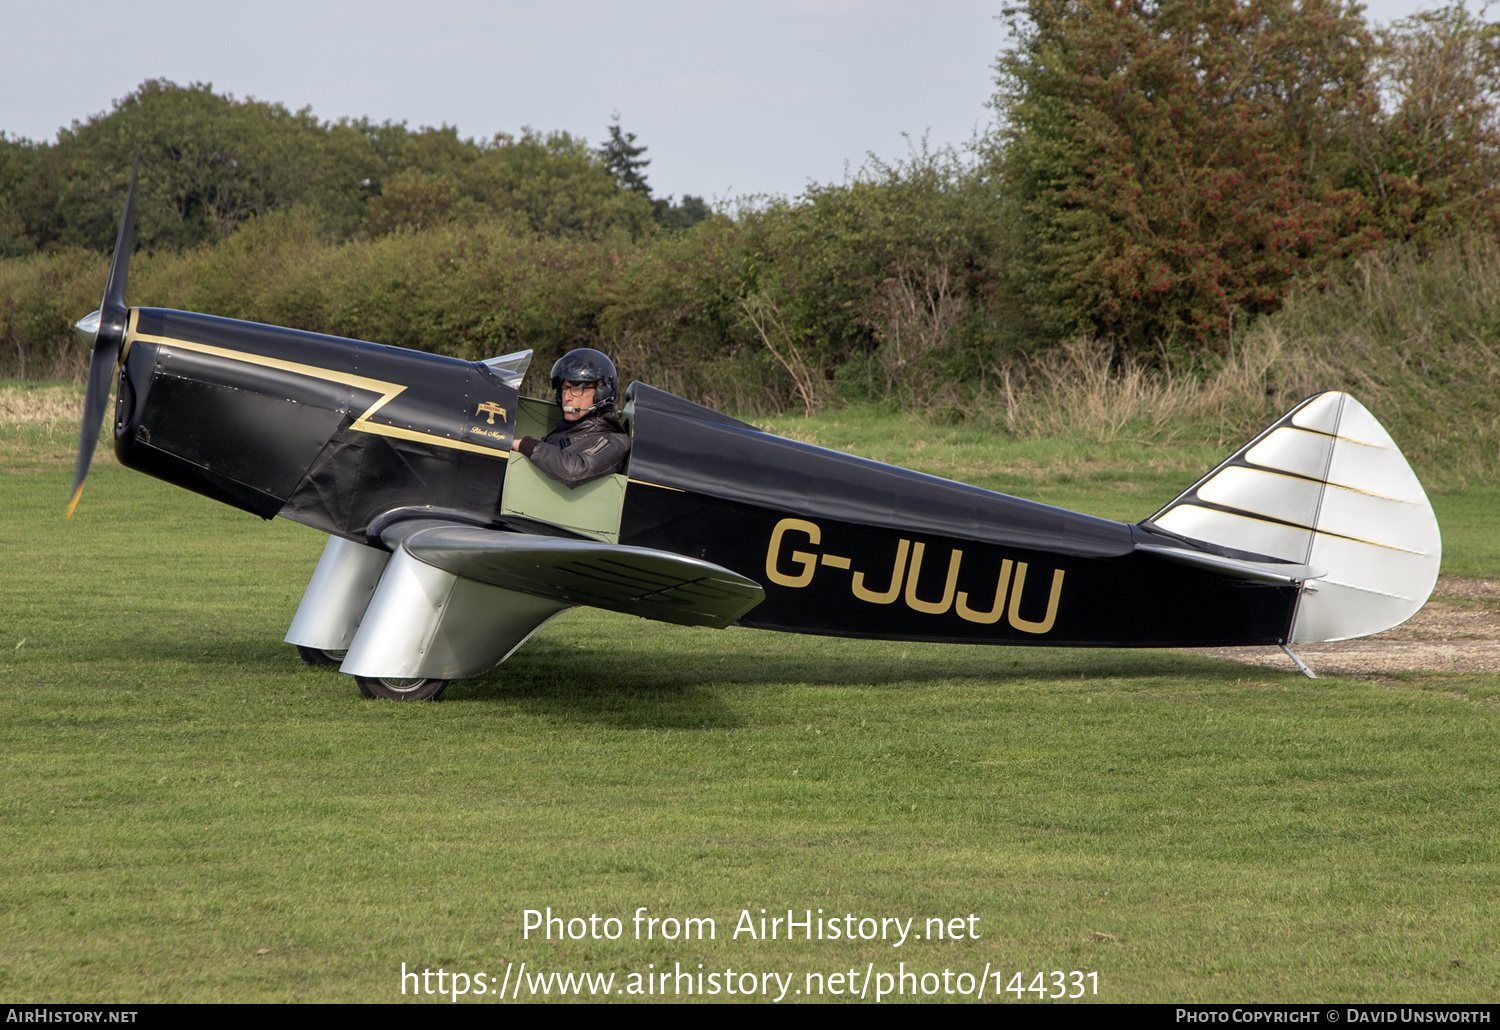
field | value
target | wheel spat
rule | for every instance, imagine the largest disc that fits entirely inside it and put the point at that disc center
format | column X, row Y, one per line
column 108, row 338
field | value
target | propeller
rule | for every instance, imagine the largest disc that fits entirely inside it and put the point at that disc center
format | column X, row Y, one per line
column 107, row 327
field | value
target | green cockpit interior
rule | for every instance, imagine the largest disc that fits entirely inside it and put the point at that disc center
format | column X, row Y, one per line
column 592, row 509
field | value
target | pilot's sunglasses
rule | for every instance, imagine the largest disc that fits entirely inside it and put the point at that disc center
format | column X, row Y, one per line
column 578, row 387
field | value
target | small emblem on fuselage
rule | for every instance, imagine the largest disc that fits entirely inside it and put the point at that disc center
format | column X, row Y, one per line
column 490, row 408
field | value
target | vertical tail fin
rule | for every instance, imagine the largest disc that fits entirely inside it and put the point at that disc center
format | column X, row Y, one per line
column 1324, row 486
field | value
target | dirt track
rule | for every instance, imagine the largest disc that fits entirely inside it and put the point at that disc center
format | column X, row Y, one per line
column 1457, row 631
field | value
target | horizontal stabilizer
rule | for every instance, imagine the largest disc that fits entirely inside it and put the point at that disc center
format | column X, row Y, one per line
column 1263, row 572
column 633, row 580
column 1324, row 487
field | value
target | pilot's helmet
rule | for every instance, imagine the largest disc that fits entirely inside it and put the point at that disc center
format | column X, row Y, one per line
column 586, row 365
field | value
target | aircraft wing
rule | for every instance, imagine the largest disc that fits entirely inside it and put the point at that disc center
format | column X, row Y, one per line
column 633, row 580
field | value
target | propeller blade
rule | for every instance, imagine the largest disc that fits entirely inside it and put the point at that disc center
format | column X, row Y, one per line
column 108, row 338
column 119, row 264
column 95, row 400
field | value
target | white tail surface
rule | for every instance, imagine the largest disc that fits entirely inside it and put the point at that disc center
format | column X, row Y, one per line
column 1327, row 487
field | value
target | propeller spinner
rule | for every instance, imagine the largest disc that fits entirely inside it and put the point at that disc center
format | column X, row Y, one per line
column 107, row 327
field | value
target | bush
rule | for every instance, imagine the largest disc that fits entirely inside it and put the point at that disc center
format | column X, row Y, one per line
column 40, row 298
column 1166, row 164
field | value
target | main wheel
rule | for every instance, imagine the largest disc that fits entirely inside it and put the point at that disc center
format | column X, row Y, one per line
column 317, row 656
column 392, row 689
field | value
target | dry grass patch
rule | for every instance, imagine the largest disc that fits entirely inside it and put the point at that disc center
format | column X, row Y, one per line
column 49, row 406
column 1415, row 338
column 39, row 427
column 1079, row 388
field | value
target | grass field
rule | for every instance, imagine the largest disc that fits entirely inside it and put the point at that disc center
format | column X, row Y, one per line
column 189, row 813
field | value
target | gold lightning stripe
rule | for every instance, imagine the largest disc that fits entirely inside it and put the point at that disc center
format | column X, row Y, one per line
column 387, row 391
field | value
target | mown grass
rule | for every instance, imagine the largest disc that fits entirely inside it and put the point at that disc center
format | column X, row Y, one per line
column 191, row 814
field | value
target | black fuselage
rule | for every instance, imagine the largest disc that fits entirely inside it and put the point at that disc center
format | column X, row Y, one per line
column 346, row 436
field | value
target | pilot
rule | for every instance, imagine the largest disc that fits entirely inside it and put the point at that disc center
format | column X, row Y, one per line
column 589, row 442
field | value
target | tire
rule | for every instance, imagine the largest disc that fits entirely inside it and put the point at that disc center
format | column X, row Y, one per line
column 401, row 689
column 321, row 659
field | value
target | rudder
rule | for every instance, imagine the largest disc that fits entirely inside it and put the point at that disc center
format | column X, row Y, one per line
column 1324, row 486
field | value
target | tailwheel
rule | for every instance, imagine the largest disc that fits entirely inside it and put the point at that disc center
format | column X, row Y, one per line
column 321, row 657
column 396, row 689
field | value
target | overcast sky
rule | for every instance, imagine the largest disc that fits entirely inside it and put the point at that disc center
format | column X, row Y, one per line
column 731, row 98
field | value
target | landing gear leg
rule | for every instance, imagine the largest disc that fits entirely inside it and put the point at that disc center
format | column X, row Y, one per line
column 1306, row 669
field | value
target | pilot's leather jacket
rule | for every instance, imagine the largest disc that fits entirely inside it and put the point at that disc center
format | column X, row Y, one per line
column 576, row 452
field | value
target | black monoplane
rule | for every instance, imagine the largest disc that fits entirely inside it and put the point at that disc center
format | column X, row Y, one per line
column 447, row 550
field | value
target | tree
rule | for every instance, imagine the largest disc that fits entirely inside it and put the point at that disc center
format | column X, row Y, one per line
column 412, row 199
column 20, row 212
column 208, row 163
column 1168, row 162
column 554, row 184
column 677, row 217
column 1433, row 154
column 622, row 160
